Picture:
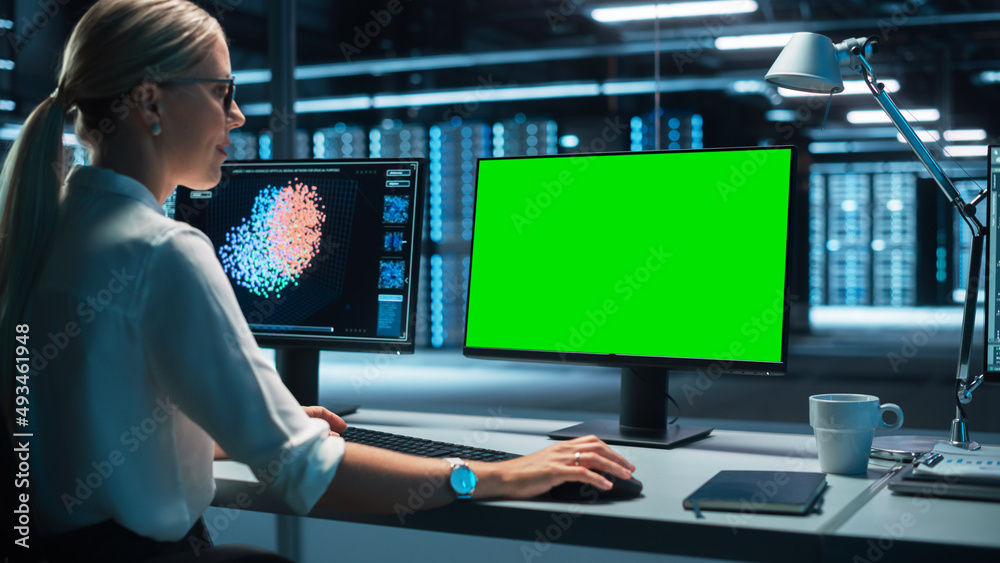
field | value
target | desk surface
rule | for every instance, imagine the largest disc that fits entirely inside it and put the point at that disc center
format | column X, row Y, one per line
column 856, row 509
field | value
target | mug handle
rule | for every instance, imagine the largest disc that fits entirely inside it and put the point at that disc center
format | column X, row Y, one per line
column 890, row 407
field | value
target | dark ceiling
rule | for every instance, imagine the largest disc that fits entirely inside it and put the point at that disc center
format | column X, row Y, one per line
column 936, row 49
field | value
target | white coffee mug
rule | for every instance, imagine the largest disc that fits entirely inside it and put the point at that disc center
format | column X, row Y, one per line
column 844, row 425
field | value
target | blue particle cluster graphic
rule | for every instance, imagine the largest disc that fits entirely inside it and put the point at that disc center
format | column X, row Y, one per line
column 396, row 210
column 391, row 274
column 393, row 241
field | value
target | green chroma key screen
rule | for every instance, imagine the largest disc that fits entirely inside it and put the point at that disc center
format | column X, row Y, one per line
column 678, row 254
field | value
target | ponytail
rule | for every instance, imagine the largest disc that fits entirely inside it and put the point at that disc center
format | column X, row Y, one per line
column 115, row 45
column 30, row 189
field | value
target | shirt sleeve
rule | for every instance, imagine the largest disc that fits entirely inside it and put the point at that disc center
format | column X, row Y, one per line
column 202, row 355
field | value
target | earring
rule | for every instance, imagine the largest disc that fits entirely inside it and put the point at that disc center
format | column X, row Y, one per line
column 156, row 129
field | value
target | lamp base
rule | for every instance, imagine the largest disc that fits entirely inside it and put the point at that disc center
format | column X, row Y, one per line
column 903, row 448
column 960, row 436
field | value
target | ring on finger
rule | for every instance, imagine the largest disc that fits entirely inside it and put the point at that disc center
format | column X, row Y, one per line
column 576, row 460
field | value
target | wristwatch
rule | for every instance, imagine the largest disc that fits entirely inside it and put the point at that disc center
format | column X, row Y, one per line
column 463, row 480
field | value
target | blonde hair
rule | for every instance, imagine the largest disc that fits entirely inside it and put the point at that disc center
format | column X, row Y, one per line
column 117, row 45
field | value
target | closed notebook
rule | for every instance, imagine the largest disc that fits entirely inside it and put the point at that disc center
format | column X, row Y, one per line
column 765, row 492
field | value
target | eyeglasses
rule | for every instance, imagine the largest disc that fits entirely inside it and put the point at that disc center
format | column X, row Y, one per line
column 227, row 102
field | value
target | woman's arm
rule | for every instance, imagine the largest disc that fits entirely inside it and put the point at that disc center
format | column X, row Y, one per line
column 375, row 480
column 337, row 425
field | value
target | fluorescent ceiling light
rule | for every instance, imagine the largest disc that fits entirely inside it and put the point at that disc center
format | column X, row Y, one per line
column 750, row 86
column 10, row 131
column 569, row 141
column 781, row 115
column 261, row 76
column 965, row 150
column 673, row 10
column 925, row 136
column 772, row 40
column 965, row 135
column 481, row 95
column 838, row 147
column 250, row 110
column 320, row 105
column 457, row 97
column 850, row 133
column 850, row 87
column 878, row 116
column 990, row 76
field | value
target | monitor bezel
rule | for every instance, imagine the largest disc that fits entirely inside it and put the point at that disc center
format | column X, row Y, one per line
column 990, row 376
column 345, row 343
column 712, row 367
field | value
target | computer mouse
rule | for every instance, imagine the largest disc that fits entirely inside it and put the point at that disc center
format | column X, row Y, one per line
column 584, row 492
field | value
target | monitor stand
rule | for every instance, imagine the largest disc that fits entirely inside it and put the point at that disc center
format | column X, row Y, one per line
column 643, row 416
column 299, row 369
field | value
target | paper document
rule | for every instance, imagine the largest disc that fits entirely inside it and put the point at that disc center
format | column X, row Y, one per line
column 956, row 462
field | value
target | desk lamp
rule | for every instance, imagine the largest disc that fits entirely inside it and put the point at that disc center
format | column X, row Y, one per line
column 811, row 63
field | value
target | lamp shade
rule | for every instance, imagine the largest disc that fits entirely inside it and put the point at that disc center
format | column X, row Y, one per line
column 807, row 63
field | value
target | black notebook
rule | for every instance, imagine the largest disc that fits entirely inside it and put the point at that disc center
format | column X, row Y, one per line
column 764, row 492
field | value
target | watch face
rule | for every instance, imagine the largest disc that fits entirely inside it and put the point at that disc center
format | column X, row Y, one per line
column 463, row 480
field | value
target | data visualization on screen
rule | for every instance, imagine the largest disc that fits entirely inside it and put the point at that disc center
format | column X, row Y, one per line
column 319, row 253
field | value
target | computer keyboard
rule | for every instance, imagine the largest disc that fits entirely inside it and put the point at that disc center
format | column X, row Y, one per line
column 421, row 447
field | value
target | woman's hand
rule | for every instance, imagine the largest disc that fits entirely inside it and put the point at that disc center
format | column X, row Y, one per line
column 535, row 474
column 337, row 424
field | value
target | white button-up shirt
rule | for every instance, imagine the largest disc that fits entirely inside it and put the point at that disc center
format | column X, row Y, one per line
column 141, row 357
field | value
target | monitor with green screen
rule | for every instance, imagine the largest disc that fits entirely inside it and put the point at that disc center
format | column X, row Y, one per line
column 645, row 260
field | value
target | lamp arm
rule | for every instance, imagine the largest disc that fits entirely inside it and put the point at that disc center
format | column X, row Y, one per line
column 966, row 211
column 969, row 319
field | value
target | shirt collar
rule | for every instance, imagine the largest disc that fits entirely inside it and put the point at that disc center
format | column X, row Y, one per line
column 84, row 179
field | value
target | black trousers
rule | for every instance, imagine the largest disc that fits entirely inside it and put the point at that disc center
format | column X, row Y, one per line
column 108, row 542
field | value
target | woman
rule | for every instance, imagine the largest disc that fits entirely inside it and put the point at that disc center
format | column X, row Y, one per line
column 131, row 319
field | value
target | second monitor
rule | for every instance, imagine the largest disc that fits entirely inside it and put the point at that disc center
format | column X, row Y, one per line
column 647, row 261
column 322, row 255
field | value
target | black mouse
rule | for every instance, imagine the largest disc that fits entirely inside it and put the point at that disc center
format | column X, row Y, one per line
column 583, row 492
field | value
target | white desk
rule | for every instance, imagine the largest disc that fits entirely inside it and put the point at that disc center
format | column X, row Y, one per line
column 657, row 522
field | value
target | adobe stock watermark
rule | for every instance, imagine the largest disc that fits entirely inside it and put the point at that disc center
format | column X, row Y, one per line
column 552, row 189
column 264, row 308
column 419, row 495
column 376, row 365
column 219, row 8
column 563, row 11
column 229, row 513
column 752, row 330
column 711, row 30
column 485, row 91
column 766, row 490
column 740, row 173
column 899, row 526
column 369, row 31
column 86, row 312
column 131, row 440
column 911, row 345
column 561, row 523
column 31, row 25
column 901, row 13
column 625, row 287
